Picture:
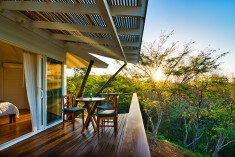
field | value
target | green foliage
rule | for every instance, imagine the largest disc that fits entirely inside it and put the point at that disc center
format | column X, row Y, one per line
column 160, row 137
column 197, row 105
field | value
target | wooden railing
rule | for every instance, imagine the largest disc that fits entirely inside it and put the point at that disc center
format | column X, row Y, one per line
column 134, row 142
column 116, row 93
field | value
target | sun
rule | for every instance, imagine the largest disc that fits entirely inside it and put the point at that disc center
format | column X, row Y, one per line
column 159, row 75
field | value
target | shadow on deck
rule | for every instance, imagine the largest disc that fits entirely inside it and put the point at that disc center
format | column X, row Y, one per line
column 59, row 141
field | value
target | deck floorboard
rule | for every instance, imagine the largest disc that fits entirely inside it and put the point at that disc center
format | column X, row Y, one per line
column 59, row 141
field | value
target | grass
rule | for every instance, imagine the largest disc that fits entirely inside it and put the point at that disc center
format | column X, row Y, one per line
column 161, row 138
column 184, row 149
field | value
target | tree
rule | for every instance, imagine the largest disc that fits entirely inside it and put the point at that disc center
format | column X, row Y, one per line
column 192, row 69
column 222, row 111
column 179, row 67
column 73, row 83
column 155, row 57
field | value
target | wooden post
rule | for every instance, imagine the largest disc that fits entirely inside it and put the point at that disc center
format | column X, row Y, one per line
column 111, row 78
column 84, row 82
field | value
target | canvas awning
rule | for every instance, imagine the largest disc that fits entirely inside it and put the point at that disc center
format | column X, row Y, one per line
column 73, row 61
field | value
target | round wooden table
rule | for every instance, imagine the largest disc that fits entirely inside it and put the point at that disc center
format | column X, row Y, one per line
column 91, row 110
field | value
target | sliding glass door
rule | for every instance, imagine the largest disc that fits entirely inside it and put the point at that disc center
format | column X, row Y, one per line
column 54, row 90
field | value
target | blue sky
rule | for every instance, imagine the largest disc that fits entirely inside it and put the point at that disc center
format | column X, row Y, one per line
column 207, row 22
column 210, row 23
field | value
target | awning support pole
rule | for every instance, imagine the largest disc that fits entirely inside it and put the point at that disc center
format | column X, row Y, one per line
column 79, row 94
column 111, row 78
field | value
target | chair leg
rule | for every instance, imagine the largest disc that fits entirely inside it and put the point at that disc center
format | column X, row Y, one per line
column 102, row 125
column 73, row 121
column 98, row 125
column 83, row 118
column 63, row 118
column 115, row 126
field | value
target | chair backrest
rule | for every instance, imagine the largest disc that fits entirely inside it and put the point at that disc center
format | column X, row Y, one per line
column 113, row 99
column 116, row 101
column 110, row 99
column 67, row 100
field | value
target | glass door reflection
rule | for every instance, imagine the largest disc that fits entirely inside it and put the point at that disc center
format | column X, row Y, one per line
column 54, row 90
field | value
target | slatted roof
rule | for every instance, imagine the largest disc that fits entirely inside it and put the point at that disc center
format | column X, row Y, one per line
column 111, row 28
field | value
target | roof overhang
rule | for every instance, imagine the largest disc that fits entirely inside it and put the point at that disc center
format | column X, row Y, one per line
column 73, row 61
column 111, row 28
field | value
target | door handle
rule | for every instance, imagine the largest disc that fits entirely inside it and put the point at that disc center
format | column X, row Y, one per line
column 42, row 93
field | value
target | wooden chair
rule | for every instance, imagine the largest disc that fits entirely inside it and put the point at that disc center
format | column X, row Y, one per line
column 69, row 110
column 110, row 103
column 108, row 116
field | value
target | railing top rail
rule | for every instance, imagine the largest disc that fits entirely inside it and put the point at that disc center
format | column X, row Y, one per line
column 116, row 93
column 134, row 141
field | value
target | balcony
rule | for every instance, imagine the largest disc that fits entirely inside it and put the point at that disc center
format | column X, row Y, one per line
column 58, row 141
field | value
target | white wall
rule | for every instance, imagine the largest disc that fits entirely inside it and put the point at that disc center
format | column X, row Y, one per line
column 12, row 87
column 14, row 90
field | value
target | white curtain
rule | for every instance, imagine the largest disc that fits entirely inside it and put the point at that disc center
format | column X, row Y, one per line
column 30, row 79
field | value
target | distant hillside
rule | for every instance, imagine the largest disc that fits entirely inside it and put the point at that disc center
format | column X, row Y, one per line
column 166, row 149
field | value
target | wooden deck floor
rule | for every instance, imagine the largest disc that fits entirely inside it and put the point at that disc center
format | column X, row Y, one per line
column 11, row 131
column 65, row 142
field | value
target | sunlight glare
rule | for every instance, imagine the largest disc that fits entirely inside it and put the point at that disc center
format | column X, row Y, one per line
column 159, row 75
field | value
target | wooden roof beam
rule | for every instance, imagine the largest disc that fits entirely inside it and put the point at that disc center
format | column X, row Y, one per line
column 88, row 46
column 83, row 51
column 96, row 51
column 73, row 38
column 69, row 27
column 96, row 40
column 82, row 28
column 68, row 8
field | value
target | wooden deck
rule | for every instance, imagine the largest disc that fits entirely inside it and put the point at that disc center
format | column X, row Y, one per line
column 65, row 142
